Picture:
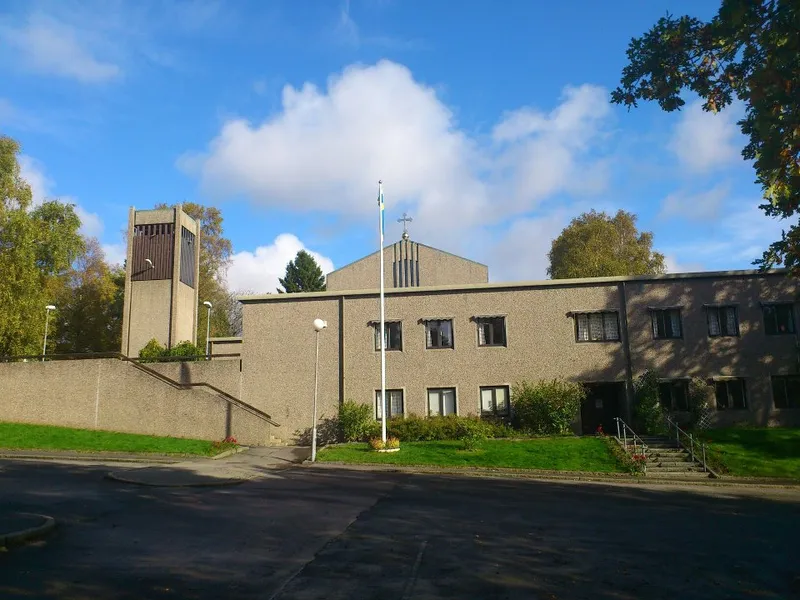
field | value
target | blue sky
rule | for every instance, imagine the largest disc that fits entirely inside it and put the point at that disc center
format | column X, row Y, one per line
column 489, row 124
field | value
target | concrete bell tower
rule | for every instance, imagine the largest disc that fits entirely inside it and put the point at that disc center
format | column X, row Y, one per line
column 161, row 276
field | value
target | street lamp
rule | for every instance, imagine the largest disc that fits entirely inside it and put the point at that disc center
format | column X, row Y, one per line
column 47, row 310
column 208, row 324
column 319, row 325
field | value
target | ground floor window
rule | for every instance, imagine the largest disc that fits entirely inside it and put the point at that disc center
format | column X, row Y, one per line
column 494, row 401
column 394, row 400
column 674, row 394
column 441, row 401
column 786, row 391
column 731, row 394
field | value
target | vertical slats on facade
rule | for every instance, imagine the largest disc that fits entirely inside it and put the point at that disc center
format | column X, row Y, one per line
column 405, row 263
column 155, row 242
column 405, row 267
column 394, row 266
column 187, row 257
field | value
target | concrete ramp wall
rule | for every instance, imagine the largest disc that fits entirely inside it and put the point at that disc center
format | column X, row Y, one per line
column 115, row 395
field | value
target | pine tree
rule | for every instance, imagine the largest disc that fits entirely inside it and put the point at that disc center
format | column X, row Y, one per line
column 303, row 274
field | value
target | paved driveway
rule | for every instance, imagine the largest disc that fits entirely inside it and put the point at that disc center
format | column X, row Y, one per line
column 303, row 533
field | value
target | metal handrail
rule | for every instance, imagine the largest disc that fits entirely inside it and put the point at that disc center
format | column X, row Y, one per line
column 696, row 448
column 91, row 355
column 623, row 431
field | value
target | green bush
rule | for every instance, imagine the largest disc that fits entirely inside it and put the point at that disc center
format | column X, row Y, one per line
column 648, row 414
column 546, row 407
column 356, row 423
column 414, row 428
column 471, row 432
column 700, row 395
column 186, row 349
column 152, row 351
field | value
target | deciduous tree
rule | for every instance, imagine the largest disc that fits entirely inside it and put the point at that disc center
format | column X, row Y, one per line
column 597, row 245
column 748, row 51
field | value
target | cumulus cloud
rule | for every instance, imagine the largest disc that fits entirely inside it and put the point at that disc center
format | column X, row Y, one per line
column 326, row 149
column 50, row 46
column 695, row 206
column 704, row 141
column 258, row 271
column 115, row 254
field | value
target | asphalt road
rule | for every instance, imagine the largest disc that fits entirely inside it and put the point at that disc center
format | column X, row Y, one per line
column 303, row 534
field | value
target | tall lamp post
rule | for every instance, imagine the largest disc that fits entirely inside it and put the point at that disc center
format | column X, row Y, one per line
column 319, row 325
column 208, row 305
column 47, row 310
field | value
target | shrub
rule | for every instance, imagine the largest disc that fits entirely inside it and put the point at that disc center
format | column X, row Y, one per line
column 648, row 415
column 414, row 428
column 185, row 349
column 391, row 443
column 356, row 423
column 471, row 432
column 546, row 407
column 152, row 351
column 376, row 443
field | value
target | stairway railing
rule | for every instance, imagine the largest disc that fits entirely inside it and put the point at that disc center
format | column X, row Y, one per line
column 696, row 448
column 627, row 437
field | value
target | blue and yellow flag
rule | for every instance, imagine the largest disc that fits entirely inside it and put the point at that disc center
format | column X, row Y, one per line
column 381, row 206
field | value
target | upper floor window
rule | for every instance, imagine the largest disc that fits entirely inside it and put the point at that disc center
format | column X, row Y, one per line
column 730, row 393
column 441, row 401
column 786, row 391
column 722, row 321
column 597, row 327
column 491, row 331
column 394, row 401
column 779, row 318
column 439, row 333
column 494, row 401
column 392, row 335
column 666, row 323
column 674, row 395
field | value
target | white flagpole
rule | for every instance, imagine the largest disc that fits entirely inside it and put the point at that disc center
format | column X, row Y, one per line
column 383, row 317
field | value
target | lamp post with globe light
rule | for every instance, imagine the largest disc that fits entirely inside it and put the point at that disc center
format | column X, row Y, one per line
column 319, row 325
column 47, row 310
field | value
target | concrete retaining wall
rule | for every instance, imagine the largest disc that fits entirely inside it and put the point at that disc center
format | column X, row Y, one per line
column 113, row 395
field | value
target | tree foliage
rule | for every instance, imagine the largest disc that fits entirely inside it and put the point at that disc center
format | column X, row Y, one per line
column 303, row 274
column 597, row 245
column 215, row 256
column 37, row 248
column 89, row 316
column 748, row 51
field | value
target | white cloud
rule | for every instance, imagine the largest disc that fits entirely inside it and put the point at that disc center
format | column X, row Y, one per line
column 258, row 271
column 32, row 171
column 53, row 47
column 326, row 149
column 91, row 223
column 698, row 206
column 115, row 253
column 704, row 141
column 675, row 266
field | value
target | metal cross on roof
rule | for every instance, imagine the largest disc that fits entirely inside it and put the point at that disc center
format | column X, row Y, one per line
column 405, row 220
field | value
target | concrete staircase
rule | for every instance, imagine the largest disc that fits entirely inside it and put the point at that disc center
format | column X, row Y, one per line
column 664, row 459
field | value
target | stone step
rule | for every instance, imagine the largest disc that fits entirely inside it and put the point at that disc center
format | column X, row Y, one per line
column 682, row 468
column 669, row 461
column 679, row 474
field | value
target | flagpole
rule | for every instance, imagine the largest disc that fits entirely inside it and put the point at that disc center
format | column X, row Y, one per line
column 383, row 317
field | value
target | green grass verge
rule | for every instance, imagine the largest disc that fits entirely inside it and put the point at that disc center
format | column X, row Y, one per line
column 757, row 452
column 22, row 436
column 557, row 453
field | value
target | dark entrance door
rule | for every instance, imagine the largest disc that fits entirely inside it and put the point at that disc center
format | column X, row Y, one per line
column 601, row 406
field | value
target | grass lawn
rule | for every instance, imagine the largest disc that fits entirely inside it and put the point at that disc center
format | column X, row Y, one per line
column 21, row 436
column 758, row 452
column 557, row 453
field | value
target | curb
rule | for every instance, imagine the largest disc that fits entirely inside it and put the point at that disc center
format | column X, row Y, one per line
column 227, row 453
column 555, row 475
column 16, row 538
column 158, row 459
column 220, row 483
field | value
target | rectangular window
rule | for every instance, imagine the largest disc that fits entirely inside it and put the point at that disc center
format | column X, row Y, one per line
column 674, row 395
column 491, row 331
column 439, row 334
column 597, row 327
column 666, row 323
column 494, row 401
column 394, row 399
column 779, row 319
column 786, row 391
column 730, row 394
column 722, row 321
column 392, row 334
column 441, row 401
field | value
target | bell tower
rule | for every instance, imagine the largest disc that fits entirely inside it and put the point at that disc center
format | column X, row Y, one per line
column 161, row 273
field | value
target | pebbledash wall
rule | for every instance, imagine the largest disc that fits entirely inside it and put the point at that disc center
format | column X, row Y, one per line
column 278, row 346
column 113, row 395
